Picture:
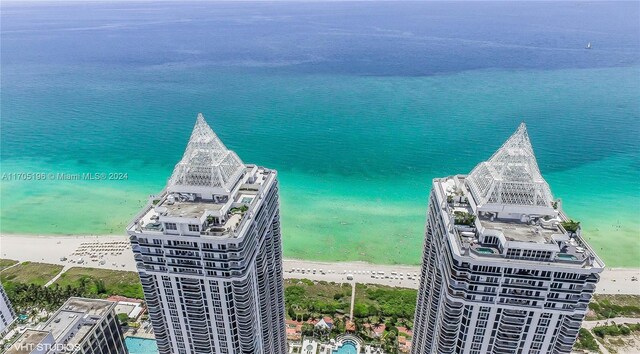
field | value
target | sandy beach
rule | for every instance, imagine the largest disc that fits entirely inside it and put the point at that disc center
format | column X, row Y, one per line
column 114, row 252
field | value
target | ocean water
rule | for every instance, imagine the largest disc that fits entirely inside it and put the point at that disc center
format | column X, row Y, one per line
column 358, row 106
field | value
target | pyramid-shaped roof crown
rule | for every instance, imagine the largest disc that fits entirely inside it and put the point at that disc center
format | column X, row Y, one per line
column 207, row 166
column 510, row 177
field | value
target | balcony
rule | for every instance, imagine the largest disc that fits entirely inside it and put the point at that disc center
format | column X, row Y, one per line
column 513, row 321
column 505, row 346
column 511, row 328
column 521, row 285
column 516, row 313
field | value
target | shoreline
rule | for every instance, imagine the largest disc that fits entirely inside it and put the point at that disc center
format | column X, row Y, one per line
column 114, row 252
column 293, row 259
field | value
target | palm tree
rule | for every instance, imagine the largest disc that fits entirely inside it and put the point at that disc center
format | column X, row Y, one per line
column 337, row 326
column 403, row 322
column 367, row 320
column 357, row 323
column 83, row 283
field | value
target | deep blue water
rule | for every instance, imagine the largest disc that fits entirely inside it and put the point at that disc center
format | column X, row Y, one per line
column 359, row 38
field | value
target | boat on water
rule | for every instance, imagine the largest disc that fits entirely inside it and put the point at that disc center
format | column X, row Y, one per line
column 588, row 45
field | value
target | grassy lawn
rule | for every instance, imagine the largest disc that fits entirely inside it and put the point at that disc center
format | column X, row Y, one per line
column 29, row 273
column 382, row 300
column 6, row 263
column 103, row 282
column 615, row 337
column 586, row 341
column 609, row 306
column 622, row 300
column 306, row 297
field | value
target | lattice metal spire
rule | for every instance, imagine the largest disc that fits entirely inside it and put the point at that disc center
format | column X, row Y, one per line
column 511, row 176
column 206, row 163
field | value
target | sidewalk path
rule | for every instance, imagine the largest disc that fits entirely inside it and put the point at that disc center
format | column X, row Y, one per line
column 353, row 299
column 618, row 320
column 64, row 269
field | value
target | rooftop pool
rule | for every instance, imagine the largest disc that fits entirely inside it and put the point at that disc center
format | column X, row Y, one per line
column 137, row 345
column 566, row 256
column 484, row 250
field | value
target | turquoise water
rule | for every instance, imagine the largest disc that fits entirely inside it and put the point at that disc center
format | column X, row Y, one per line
column 356, row 130
column 136, row 345
column 346, row 348
column 348, row 183
column 567, row 256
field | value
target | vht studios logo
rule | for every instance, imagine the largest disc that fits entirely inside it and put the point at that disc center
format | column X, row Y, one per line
column 45, row 347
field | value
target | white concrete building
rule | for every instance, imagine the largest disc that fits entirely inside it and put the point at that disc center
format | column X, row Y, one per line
column 502, row 271
column 208, row 251
column 7, row 316
column 80, row 326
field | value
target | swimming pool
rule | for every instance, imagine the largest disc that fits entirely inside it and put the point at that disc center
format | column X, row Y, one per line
column 347, row 347
column 567, row 256
column 484, row 250
column 137, row 345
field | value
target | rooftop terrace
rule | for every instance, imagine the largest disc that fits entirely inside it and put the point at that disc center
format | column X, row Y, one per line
column 221, row 216
column 493, row 234
column 28, row 341
column 92, row 307
column 504, row 208
column 211, row 191
column 515, row 230
column 76, row 319
column 68, row 326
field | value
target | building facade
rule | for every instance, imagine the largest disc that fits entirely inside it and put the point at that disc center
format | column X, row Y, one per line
column 7, row 316
column 80, row 326
column 208, row 252
column 503, row 270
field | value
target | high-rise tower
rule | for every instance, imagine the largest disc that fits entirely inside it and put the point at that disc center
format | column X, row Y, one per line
column 208, row 251
column 503, row 269
column 7, row 316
